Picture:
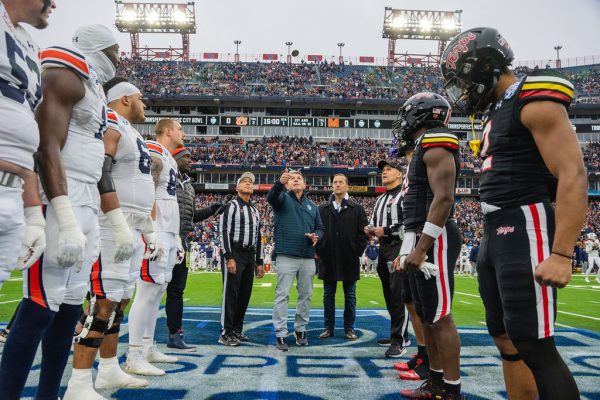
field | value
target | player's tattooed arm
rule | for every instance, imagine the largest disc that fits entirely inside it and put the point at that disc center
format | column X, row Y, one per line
column 157, row 167
column 62, row 89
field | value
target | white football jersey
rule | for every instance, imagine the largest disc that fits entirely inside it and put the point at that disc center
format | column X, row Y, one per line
column 131, row 171
column 592, row 248
column 20, row 93
column 83, row 153
column 167, row 208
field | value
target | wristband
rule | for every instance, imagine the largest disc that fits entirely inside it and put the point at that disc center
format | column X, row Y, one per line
column 64, row 212
column 34, row 216
column 117, row 218
column 562, row 255
column 432, row 230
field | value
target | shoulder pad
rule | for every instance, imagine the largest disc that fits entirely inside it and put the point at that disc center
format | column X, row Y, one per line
column 62, row 57
column 546, row 85
column 440, row 139
column 154, row 148
column 112, row 119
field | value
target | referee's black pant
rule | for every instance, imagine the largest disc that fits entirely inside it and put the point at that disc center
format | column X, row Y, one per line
column 237, row 289
column 392, row 285
column 174, row 303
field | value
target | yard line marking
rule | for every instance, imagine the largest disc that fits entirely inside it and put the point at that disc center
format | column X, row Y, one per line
column 186, row 299
column 563, row 325
column 595, row 302
column 263, row 284
column 482, row 323
column 373, row 302
column 15, row 279
column 466, row 302
column 467, row 294
column 558, row 302
column 579, row 315
column 9, row 301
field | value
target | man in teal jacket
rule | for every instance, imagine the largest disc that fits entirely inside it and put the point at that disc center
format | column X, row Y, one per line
column 298, row 228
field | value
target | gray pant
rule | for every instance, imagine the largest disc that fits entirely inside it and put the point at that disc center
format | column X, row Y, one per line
column 289, row 268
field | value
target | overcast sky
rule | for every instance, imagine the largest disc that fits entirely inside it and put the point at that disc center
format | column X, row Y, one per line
column 532, row 27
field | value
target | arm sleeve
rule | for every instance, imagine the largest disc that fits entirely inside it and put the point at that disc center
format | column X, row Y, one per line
column 546, row 85
column 319, row 228
column 259, row 247
column 362, row 239
column 62, row 57
column 200, row 214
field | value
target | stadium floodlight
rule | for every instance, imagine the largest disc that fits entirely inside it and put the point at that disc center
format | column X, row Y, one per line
column 153, row 17
column 419, row 25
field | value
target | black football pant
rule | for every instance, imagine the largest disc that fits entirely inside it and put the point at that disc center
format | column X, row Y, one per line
column 237, row 289
column 392, row 285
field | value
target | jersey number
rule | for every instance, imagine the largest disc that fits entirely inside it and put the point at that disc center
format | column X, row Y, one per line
column 145, row 161
column 172, row 182
column 100, row 133
column 485, row 147
column 18, row 94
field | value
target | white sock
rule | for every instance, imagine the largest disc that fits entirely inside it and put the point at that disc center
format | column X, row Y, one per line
column 150, row 326
column 82, row 376
column 456, row 382
column 140, row 309
column 111, row 362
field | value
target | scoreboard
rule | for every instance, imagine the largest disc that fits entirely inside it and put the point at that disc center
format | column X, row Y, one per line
column 288, row 122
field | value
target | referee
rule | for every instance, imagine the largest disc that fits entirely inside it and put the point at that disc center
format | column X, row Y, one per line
column 385, row 223
column 241, row 243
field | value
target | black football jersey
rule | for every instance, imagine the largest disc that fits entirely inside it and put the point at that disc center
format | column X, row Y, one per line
column 513, row 170
column 418, row 196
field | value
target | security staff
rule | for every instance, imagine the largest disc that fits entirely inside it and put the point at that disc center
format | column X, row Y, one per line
column 240, row 237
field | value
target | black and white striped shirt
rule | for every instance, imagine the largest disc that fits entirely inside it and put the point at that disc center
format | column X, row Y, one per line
column 240, row 227
column 388, row 210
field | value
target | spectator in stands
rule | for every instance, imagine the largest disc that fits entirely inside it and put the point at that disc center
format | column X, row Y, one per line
column 339, row 251
column 298, row 227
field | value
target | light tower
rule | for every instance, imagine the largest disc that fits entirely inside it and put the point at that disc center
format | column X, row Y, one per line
column 341, row 45
column 558, row 48
column 419, row 25
column 289, row 53
column 139, row 17
column 237, row 50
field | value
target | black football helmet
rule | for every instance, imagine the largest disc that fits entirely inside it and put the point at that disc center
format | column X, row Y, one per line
column 471, row 64
column 423, row 110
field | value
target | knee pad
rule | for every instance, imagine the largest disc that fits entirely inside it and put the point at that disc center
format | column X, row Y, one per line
column 116, row 323
column 92, row 323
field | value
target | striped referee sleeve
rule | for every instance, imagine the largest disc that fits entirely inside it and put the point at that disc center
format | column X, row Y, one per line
column 226, row 226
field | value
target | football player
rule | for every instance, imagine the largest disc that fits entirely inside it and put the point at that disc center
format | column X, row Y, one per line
column 155, row 275
column 432, row 235
column 531, row 158
column 21, row 221
column 592, row 246
column 72, row 120
column 127, row 161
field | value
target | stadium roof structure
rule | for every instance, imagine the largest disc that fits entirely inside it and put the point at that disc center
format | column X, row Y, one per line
column 419, row 25
column 152, row 17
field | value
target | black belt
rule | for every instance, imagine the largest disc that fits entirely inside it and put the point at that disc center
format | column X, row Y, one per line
column 239, row 247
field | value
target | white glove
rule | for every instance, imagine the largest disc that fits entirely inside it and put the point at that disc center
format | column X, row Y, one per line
column 180, row 251
column 71, row 241
column 429, row 269
column 34, row 242
column 153, row 251
column 122, row 233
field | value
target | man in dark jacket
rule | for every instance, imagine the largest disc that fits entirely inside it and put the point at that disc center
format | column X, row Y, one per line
column 188, row 216
column 339, row 252
column 372, row 253
column 298, row 227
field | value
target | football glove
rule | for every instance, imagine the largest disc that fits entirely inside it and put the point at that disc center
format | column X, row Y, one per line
column 153, row 251
column 71, row 240
column 122, row 234
column 34, row 242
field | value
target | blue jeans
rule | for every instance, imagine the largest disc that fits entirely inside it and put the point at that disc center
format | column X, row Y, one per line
column 349, row 304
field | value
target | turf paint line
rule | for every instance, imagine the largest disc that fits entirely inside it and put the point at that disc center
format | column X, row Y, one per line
column 263, row 284
column 373, row 302
column 595, row 302
column 9, row 301
column 482, row 323
column 467, row 294
column 579, row 315
column 563, row 325
column 466, row 302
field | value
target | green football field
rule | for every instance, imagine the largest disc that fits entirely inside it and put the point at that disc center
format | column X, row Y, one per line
column 578, row 304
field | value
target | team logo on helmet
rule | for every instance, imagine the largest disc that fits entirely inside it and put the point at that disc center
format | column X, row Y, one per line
column 459, row 47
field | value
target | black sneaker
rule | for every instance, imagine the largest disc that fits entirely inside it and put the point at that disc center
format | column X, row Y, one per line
column 176, row 341
column 282, row 344
column 395, row 350
column 384, row 342
column 425, row 391
column 326, row 334
column 228, row 340
column 449, row 396
column 301, row 339
column 351, row 335
column 240, row 336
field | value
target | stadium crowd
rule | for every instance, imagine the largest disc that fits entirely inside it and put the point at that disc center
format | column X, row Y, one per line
column 325, row 79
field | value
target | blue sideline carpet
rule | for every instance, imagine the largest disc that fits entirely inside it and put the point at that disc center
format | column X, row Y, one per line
column 326, row 369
